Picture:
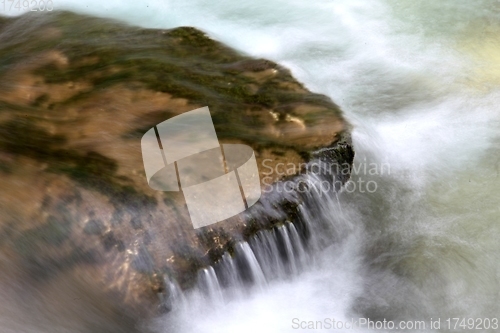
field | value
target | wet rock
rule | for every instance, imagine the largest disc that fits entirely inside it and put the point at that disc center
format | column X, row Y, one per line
column 76, row 95
column 94, row 227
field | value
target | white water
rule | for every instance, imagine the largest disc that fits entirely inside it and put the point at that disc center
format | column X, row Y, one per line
column 421, row 85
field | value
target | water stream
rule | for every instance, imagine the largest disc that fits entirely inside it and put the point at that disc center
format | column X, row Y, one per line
column 420, row 82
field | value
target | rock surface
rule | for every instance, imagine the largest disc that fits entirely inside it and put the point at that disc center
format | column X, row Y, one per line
column 76, row 95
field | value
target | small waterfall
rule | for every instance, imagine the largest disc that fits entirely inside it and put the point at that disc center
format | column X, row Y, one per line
column 227, row 272
column 209, row 283
column 248, row 265
column 298, row 247
column 268, row 255
column 173, row 297
column 264, row 245
column 286, row 245
column 295, row 219
column 279, row 253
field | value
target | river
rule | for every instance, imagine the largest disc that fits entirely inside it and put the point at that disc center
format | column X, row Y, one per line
column 420, row 83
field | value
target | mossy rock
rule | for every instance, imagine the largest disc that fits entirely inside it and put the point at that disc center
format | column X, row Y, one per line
column 76, row 95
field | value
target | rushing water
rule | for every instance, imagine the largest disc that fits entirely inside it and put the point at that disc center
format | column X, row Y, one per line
column 420, row 82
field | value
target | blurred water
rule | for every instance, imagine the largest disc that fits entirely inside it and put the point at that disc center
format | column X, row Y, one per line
column 420, row 82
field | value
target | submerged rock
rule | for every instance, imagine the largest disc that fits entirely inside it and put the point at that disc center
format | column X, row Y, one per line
column 76, row 95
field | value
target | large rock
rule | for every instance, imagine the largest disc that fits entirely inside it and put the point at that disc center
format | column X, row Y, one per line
column 76, row 95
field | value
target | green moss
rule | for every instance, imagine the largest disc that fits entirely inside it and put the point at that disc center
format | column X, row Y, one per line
column 183, row 62
column 91, row 170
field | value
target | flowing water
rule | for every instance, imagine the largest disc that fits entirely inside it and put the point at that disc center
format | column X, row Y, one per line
column 420, row 82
